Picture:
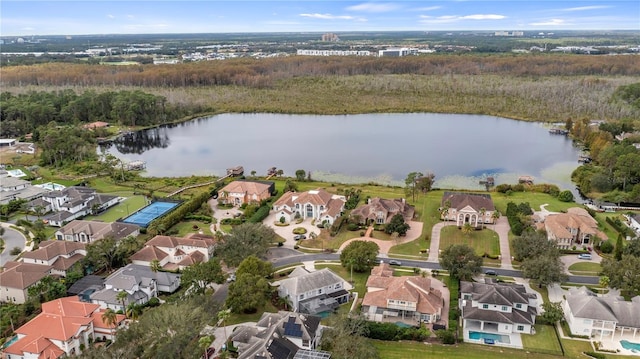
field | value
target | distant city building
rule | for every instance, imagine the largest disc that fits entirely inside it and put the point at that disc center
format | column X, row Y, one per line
column 396, row 52
column 330, row 37
column 509, row 33
column 302, row 52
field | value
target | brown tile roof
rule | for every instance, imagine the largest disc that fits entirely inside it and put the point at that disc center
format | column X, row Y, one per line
column 459, row 200
column 575, row 218
column 99, row 230
column 248, row 187
column 63, row 264
column 22, row 275
column 51, row 249
column 389, row 208
column 148, row 253
column 315, row 197
column 193, row 258
column 172, row 242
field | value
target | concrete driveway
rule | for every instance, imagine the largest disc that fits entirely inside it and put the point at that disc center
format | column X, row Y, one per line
column 385, row 245
column 570, row 259
column 286, row 232
column 12, row 239
column 221, row 213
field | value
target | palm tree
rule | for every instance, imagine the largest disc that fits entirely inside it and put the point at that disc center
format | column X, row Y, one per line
column 445, row 210
column 495, row 215
column 121, row 296
column 223, row 315
column 109, row 317
column 483, row 211
column 155, row 266
column 467, row 229
column 134, row 311
column 204, row 343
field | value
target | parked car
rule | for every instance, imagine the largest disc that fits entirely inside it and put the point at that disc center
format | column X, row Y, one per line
column 298, row 237
column 584, row 256
column 490, row 272
column 394, row 262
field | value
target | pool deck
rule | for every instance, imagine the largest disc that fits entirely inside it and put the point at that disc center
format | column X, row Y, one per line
column 514, row 338
column 614, row 344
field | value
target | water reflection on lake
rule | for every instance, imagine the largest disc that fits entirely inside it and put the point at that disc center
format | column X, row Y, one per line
column 459, row 149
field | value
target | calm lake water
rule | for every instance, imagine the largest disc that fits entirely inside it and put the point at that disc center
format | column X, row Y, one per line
column 459, row 149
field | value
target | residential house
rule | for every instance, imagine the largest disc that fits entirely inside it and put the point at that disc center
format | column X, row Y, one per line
column 496, row 308
column 12, row 188
column 75, row 202
column 406, row 298
column 634, row 222
column 473, row 208
column 240, row 192
column 576, row 227
column 140, row 283
column 175, row 252
column 314, row 292
column 18, row 277
column 90, row 231
column 59, row 255
column 601, row 317
column 282, row 335
column 380, row 210
column 63, row 329
column 96, row 124
column 318, row 204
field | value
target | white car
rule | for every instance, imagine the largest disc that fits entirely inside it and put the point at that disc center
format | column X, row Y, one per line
column 586, row 256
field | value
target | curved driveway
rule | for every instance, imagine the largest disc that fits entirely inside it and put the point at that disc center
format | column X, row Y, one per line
column 12, row 239
column 385, row 245
column 501, row 227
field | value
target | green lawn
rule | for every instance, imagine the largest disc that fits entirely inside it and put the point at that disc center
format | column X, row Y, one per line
column 483, row 241
column 121, row 210
column 415, row 350
column 360, row 279
column 241, row 318
column 187, row 227
column 585, row 268
column 545, row 340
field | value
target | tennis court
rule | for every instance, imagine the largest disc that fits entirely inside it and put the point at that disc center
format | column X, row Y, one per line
column 145, row 215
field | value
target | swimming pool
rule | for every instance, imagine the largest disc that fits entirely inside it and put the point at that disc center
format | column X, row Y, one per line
column 494, row 337
column 630, row 345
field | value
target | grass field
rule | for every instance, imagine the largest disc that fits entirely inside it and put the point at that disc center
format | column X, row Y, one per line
column 545, row 340
column 187, row 227
column 121, row 210
column 585, row 268
column 414, row 350
column 484, row 241
column 359, row 279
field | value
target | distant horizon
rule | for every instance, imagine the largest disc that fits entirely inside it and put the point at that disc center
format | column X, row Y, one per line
column 20, row 18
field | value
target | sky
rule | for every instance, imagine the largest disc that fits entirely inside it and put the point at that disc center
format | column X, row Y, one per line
column 53, row 17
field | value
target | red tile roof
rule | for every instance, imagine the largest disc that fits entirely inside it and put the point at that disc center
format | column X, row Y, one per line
column 22, row 275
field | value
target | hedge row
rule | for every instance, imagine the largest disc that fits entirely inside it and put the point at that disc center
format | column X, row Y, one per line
column 184, row 209
column 392, row 332
column 618, row 226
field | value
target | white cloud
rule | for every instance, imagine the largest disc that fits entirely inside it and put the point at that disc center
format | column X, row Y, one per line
column 110, row 16
column 552, row 22
column 455, row 18
column 429, row 8
column 585, row 8
column 374, row 7
column 328, row 16
column 130, row 16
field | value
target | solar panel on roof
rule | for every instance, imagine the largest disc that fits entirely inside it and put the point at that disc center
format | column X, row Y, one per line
column 291, row 328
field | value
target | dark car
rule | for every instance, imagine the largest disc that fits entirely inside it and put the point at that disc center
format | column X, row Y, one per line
column 298, row 237
column 394, row 262
column 490, row 272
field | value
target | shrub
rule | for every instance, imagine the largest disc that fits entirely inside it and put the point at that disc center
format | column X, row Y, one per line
column 259, row 215
column 503, row 188
column 361, row 233
column 15, row 251
column 606, row 247
column 280, row 244
column 299, row 230
column 153, row 302
column 565, row 196
column 518, row 188
column 596, row 355
column 353, row 227
column 447, row 336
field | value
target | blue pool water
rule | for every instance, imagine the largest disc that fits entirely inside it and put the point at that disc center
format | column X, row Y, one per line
column 10, row 341
column 629, row 345
column 495, row 337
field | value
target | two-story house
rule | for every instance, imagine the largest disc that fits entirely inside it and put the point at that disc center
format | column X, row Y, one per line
column 601, row 317
column 240, row 191
column 63, row 329
column 139, row 282
column 380, row 211
column 74, row 202
column 314, row 292
column 493, row 309
column 17, row 277
column 175, row 252
column 280, row 335
column 60, row 255
column 317, row 204
column 90, row 231
column 576, row 227
column 12, row 188
column 475, row 209
column 410, row 299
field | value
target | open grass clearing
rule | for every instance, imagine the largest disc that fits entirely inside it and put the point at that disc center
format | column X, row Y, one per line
column 359, row 279
column 187, row 227
column 545, row 340
column 416, row 350
column 585, row 268
column 121, row 210
column 483, row 241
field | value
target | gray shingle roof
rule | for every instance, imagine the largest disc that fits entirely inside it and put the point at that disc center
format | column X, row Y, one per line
column 584, row 304
column 311, row 281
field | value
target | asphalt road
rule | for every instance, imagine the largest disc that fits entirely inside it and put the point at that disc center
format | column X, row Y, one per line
column 416, row 263
column 12, row 238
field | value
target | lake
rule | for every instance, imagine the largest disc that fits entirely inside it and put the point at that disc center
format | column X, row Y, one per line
column 459, row 149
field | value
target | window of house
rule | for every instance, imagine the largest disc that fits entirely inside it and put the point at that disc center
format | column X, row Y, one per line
column 319, row 290
column 520, row 328
column 305, row 343
column 337, row 285
column 518, row 305
column 504, row 308
column 485, row 306
column 301, row 296
column 467, row 297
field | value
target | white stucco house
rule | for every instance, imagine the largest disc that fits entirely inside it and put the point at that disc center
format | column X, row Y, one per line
column 314, row 292
column 317, row 204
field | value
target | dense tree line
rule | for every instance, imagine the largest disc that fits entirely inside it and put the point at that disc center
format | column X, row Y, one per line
column 265, row 72
column 24, row 113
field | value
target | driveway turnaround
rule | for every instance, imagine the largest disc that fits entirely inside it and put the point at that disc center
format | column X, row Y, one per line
column 385, row 245
column 12, row 239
